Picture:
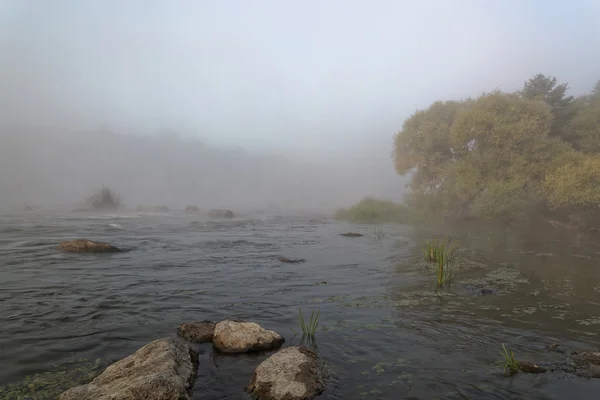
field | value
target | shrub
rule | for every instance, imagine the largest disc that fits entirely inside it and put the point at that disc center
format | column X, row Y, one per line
column 371, row 209
column 104, row 199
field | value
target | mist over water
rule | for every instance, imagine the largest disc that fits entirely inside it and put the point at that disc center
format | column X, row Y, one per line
column 282, row 113
column 52, row 167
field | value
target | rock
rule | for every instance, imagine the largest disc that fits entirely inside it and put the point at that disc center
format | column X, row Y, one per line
column 587, row 363
column 164, row 369
column 351, row 234
column 294, row 373
column 241, row 337
column 290, row 260
column 531, row 368
column 87, row 246
column 192, row 209
column 221, row 213
column 197, row 332
column 142, row 208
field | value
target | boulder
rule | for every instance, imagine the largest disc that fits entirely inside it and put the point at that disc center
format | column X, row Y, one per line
column 294, row 373
column 242, row 337
column 164, row 369
column 221, row 213
column 197, row 332
column 192, row 209
column 87, row 246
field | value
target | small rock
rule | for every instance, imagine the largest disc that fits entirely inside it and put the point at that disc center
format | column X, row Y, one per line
column 351, row 234
column 197, row 332
column 164, row 369
column 294, row 373
column 221, row 213
column 290, row 260
column 191, row 209
column 531, row 368
column 87, row 246
column 241, row 337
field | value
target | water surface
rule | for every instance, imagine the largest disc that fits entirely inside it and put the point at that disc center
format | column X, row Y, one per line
column 385, row 331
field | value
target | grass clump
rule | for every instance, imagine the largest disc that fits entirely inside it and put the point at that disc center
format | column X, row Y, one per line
column 378, row 232
column 371, row 209
column 443, row 255
column 511, row 365
column 309, row 329
column 104, row 199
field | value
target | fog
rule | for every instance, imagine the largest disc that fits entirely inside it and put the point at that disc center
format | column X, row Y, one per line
column 272, row 102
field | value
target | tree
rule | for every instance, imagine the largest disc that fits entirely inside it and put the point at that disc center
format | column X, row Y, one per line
column 498, row 156
column 546, row 89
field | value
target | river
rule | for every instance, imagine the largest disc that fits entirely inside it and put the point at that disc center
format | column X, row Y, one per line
column 385, row 331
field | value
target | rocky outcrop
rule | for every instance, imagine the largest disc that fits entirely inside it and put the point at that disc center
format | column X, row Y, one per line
column 87, row 246
column 164, row 369
column 198, row 331
column 294, row 373
column 192, row 209
column 242, row 337
column 221, row 213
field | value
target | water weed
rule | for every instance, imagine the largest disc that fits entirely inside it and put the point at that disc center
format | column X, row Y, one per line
column 443, row 255
column 511, row 366
column 378, row 232
column 309, row 329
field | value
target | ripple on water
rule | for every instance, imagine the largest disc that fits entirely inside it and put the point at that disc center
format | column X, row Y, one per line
column 385, row 331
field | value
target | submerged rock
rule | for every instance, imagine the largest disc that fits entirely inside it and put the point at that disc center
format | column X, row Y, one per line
column 87, row 246
column 198, row 331
column 221, row 213
column 142, row 208
column 164, row 369
column 587, row 363
column 191, row 209
column 241, row 337
column 290, row 260
column 351, row 234
column 294, row 373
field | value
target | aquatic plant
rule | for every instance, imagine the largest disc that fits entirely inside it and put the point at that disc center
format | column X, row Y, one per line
column 104, row 199
column 378, row 232
column 48, row 385
column 511, row 366
column 310, row 328
column 443, row 255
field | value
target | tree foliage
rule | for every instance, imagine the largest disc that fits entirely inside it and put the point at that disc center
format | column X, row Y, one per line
column 503, row 156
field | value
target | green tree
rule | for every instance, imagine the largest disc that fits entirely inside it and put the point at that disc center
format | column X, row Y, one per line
column 499, row 156
column 547, row 89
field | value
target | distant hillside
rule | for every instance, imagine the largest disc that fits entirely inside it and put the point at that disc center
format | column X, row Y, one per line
column 51, row 166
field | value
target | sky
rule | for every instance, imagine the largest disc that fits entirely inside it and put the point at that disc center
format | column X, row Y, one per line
column 312, row 79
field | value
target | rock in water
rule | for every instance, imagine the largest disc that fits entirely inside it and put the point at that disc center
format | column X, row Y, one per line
column 243, row 337
column 351, row 234
column 294, row 373
column 197, row 332
column 87, row 246
column 162, row 370
column 221, row 213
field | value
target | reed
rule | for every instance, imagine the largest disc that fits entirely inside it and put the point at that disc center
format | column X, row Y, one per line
column 511, row 366
column 309, row 329
column 443, row 255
